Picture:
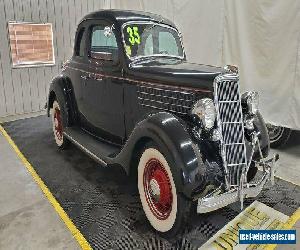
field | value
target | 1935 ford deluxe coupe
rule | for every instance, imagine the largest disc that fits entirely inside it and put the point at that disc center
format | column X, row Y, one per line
column 129, row 97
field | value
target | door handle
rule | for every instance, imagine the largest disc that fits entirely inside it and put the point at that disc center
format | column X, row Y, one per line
column 91, row 76
column 86, row 77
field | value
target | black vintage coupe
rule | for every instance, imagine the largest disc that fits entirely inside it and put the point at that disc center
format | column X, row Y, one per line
column 129, row 97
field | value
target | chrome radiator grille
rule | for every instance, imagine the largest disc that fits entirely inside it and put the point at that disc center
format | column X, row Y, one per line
column 231, row 126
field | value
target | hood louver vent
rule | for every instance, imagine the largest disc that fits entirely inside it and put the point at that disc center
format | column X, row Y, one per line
column 175, row 101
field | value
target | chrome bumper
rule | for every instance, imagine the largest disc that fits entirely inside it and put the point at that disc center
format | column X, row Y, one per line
column 215, row 200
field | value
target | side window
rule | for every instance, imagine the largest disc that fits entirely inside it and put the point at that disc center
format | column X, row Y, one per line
column 167, row 43
column 79, row 49
column 103, row 40
column 148, row 45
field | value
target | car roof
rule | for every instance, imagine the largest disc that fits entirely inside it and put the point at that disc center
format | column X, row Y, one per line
column 122, row 16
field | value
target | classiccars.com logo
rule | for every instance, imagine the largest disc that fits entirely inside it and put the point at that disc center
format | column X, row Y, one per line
column 267, row 236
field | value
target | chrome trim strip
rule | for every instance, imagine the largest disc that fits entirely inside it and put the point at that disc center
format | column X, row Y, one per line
column 180, row 89
column 165, row 96
column 228, row 101
column 171, row 104
column 96, row 158
column 167, row 90
column 170, row 110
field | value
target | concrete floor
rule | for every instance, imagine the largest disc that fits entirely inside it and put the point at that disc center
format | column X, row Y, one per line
column 289, row 170
column 289, row 163
column 27, row 219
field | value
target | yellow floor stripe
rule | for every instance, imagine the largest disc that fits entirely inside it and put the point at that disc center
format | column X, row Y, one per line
column 292, row 220
column 281, row 178
column 74, row 231
column 288, row 225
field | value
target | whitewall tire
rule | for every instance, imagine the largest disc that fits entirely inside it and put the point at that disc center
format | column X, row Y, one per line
column 57, row 125
column 157, row 190
column 279, row 136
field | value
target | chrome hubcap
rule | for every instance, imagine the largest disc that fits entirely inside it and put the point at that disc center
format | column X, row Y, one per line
column 275, row 132
column 154, row 190
column 158, row 189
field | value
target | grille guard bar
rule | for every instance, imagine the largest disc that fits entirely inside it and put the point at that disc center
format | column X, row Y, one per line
column 214, row 201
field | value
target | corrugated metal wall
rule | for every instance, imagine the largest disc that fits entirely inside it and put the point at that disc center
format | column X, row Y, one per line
column 24, row 90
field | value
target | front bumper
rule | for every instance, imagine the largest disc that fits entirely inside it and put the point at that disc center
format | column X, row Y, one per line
column 217, row 199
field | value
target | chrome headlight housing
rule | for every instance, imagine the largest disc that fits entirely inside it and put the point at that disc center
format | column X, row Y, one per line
column 251, row 99
column 206, row 111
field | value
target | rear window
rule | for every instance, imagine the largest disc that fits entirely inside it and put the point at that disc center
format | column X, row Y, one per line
column 103, row 39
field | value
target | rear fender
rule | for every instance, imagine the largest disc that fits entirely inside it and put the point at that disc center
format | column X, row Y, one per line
column 62, row 90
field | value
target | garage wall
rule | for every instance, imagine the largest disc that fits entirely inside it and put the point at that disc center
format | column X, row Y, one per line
column 24, row 90
column 261, row 37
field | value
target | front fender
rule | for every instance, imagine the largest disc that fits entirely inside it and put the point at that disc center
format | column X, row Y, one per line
column 168, row 131
column 264, row 139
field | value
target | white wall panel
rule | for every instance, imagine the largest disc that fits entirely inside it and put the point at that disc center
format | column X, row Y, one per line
column 262, row 37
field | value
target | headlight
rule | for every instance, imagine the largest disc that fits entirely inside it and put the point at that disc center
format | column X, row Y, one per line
column 206, row 111
column 251, row 99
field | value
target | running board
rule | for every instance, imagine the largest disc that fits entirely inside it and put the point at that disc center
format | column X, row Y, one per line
column 100, row 151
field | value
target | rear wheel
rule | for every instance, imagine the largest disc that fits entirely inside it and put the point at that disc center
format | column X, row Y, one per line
column 57, row 125
column 278, row 135
column 165, row 208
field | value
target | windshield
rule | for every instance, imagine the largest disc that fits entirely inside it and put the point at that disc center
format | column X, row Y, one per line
column 151, row 39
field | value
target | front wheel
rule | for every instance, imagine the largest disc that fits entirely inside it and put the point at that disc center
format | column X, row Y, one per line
column 165, row 208
column 278, row 135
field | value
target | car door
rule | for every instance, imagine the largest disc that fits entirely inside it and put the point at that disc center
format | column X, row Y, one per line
column 103, row 85
column 77, row 65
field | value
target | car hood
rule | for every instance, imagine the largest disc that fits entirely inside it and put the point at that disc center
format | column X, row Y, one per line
column 175, row 72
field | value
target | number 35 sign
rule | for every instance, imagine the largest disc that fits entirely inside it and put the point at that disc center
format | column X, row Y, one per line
column 134, row 36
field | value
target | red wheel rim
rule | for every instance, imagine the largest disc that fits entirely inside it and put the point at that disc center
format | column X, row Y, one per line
column 58, row 124
column 158, row 189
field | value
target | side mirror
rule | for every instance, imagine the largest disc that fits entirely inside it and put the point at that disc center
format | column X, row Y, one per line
column 101, row 55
